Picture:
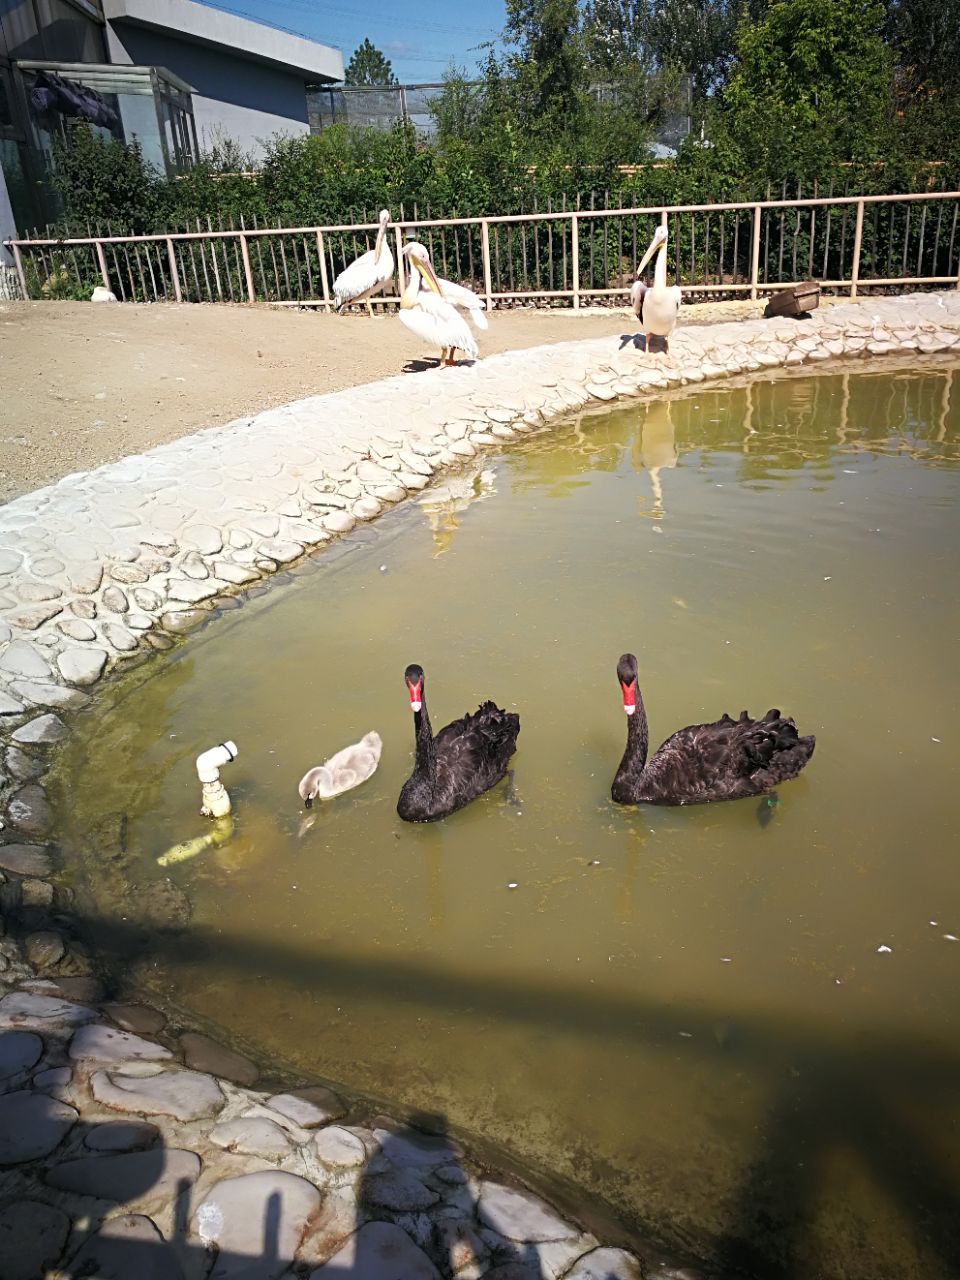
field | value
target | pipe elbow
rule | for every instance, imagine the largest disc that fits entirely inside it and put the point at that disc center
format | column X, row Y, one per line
column 209, row 763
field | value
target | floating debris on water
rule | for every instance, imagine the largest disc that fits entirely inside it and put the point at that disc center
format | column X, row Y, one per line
column 883, row 949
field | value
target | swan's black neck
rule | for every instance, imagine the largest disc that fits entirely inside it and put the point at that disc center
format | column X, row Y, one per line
column 426, row 762
column 637, row 735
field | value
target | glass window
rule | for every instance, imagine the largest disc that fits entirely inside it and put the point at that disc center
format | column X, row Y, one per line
column 68, row 35
column 6, row 111
column 19, row 32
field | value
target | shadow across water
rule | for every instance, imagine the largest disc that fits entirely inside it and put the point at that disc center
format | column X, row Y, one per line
column 808, row 1076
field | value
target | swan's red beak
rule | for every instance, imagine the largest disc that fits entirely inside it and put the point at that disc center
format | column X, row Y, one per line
column 416, row 694
column 629, row 697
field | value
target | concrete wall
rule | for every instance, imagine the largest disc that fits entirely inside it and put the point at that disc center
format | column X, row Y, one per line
column 244, row 100
column 8, row 228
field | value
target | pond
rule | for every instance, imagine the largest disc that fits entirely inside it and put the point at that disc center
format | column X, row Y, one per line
column 737, row 1036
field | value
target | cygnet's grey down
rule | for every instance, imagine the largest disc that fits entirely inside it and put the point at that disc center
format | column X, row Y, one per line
column 342, row 772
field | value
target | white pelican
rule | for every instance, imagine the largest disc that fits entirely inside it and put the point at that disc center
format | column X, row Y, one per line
column 433, row 319
column 367, row 274
column 656, row 307
column 463, row 299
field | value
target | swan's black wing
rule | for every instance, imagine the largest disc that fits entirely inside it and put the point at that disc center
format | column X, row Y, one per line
column 726, row 760
column 473, row 753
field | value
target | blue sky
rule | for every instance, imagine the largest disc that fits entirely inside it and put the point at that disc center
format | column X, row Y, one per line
column 419, row 37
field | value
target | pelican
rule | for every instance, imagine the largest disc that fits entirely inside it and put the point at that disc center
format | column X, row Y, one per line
column 433, row 319
column 656, row 307
column 463, row 299
column 367, row 274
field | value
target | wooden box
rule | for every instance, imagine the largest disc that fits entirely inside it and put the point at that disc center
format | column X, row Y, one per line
column 795, row 301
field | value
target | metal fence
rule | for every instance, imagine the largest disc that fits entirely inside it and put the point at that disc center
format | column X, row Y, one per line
column 850, row 244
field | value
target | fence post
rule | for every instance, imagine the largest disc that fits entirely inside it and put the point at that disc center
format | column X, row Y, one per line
column 102, row 259
column 401, row 282
column 755, row 253
column 575, row 255
column 245, row 251
column 172, row 258
column 485, row 250
column 18, row 263
column 857, row 239
column 323, row 271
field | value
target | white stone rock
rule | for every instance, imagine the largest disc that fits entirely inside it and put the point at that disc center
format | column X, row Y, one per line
column 41, row 1013
column 606, row 1264
column 186, row 1095
column 338, row 1148
column 518, row 1215
column 31, row 1125
column 23, row 658
column 119, row 637
column 378, row 1251
column 81, row 666
column 202, row 537
column 32, row 1236
column 252, row 1136
column 106, row 1044
column 262, row 1216
column 43, row 731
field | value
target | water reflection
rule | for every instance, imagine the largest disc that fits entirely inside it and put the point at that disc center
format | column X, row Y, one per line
column 443, row 504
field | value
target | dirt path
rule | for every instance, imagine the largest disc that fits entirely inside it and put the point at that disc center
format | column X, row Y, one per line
column 85, row 384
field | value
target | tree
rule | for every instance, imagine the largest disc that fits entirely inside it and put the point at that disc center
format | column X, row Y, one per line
column 925, row 35
column 367, row 65
column 548, row 67
column 810, row 87
column 694, row 36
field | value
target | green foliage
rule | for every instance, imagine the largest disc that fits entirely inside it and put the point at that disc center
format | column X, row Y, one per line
column 811, row 88
column 367, row 65
column 97, row 179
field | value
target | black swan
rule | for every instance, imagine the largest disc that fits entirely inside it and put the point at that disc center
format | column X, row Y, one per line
column 727, row 760
column 465, row 759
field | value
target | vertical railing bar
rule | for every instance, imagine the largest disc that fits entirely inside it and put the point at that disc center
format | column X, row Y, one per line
column 923, row 225
column 21, row 275
column 172, row 259
column 143, row 283
column 485, row 250
column 193, row 265
column 102, row 260
column 575, row 255
column 953, row 236
column 936, row 240
column 203, row 262
column 906, row 242
column 813, row 231
column 247, row 271
column 306, row 258
column 324, row 279
column 283, row 259
column 755, row 253
column 857, row 240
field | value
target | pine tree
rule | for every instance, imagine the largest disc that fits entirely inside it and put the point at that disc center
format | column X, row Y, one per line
column 367, row 65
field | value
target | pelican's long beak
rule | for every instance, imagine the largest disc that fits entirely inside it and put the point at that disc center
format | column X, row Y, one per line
column 655, row 244
column 428, row 273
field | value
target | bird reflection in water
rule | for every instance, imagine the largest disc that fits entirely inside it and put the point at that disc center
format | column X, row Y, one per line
column 444, row 503
column 654, row 448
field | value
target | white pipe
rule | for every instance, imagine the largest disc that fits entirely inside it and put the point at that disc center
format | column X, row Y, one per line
column 209, row 763
column 215, row 801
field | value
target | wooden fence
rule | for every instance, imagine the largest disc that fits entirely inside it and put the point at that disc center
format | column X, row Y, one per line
column 848, row 243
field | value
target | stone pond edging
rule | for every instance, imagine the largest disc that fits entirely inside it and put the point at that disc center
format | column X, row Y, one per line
column 122, row 1153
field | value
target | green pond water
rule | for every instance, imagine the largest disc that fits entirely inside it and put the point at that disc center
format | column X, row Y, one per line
column 735, row 1038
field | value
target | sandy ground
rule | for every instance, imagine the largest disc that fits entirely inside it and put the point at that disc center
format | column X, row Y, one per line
column 85, row 384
